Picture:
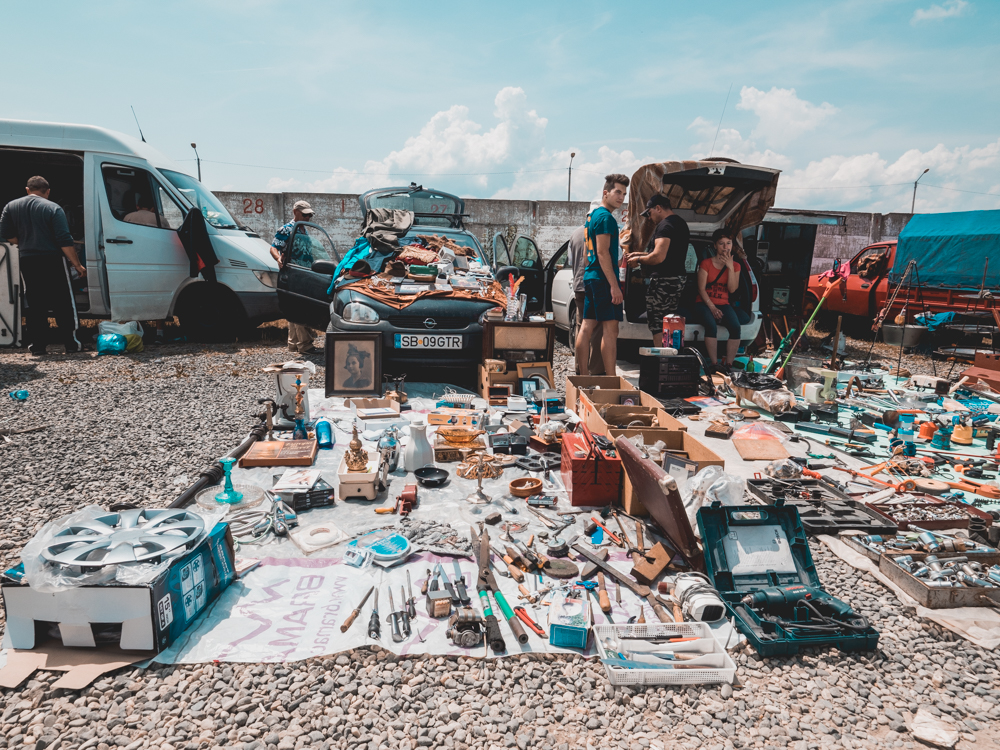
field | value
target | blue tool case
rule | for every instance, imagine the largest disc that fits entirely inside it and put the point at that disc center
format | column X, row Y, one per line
column 761, row 552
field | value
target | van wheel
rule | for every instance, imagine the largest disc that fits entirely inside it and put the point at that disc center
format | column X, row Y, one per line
column 211, row 313
column 574, row 326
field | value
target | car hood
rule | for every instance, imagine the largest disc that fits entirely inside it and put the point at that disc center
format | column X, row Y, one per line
column 708, row 195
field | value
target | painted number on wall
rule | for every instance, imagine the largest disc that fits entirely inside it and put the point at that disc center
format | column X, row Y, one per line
column 440, row 208
column 251, row 206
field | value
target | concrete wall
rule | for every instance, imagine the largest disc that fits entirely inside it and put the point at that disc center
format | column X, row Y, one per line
column 856, row 231
column 549, row 223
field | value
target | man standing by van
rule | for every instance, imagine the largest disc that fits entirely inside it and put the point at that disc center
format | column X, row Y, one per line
column 39, row 229
column 300, row 337
column 578, row 262
column 665, row 263
column 603, row 297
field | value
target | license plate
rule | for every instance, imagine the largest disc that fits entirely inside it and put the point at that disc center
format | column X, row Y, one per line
column 427, row 341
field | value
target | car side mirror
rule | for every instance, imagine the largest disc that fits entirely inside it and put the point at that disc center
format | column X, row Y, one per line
column 504, row 272
column 326, row 267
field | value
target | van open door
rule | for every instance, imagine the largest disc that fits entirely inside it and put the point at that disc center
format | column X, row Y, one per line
column 525, row 257
column 146, row 262
column 10, row 296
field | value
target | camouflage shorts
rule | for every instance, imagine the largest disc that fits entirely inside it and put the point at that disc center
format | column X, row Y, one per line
column 663, row 297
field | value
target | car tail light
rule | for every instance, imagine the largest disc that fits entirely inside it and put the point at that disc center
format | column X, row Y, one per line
column 753, row 293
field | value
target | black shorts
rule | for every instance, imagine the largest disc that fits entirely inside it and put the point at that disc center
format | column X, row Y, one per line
column 663, row 297
column 598, row 305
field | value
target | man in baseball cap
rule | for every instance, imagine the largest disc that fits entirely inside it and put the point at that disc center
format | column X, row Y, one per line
column 300, row 337
column 664, row 263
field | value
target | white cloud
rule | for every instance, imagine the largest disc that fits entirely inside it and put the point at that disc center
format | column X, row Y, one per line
column 450, row 143
column 948, row 9
column 783, row 116
column 732, row 145
column 873, row 183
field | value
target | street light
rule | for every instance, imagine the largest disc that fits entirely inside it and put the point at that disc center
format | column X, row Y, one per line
column 569, row 183
column 195, row 147
column 913, row 205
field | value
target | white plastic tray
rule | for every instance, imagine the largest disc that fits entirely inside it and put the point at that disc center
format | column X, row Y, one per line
column 705, row 644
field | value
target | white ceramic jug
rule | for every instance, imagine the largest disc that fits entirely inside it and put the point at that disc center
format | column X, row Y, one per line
column 418, row 450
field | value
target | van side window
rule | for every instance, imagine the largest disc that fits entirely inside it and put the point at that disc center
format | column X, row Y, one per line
column 136, row 198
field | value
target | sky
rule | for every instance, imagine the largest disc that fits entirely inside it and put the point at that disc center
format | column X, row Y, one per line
column 852, row 100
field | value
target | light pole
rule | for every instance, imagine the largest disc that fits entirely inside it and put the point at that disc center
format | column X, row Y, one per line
column 913, row 205
column 198, row 158
column 569, row 182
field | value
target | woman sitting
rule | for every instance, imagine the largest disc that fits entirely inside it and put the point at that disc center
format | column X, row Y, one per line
column 718, row 277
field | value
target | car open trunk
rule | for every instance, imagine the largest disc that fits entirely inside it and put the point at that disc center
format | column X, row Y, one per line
column 708, row 195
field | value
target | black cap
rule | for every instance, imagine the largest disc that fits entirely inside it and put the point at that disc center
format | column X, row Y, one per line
column 657, row 200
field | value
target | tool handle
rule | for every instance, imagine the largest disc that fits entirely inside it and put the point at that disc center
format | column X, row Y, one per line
column 423, row 586
column 604, row 601
column 524, row 591
column 463, row 595
column 374, row 626
column 638, row 537
column 350, row 620
column 522, row 613
column 661, row 614
column 493, row 635
column 515, row 572
column 515, row 627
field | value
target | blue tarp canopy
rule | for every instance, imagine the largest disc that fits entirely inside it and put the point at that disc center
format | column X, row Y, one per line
column 951, row 249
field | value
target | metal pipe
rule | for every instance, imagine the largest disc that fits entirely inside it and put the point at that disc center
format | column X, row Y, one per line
column 213, row 473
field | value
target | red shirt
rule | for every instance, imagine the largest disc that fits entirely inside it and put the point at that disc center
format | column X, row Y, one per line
column 717, row 284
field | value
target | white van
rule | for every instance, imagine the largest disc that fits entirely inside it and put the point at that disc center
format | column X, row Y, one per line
column 140, row 271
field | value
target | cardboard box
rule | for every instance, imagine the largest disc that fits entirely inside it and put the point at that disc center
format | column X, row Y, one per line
column 486, row 379
column 457, row 417
column 574, row 383
column 152, row 615
column 680, row 442
column 376, row 413
column 590, row 400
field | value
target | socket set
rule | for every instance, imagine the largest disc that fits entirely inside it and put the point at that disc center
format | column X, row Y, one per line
column 941, row 581
column 822, row 508
column 875, row 545
column 933, row 514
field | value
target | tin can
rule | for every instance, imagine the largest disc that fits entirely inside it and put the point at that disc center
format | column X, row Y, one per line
column 673, row 331
column 324, row 434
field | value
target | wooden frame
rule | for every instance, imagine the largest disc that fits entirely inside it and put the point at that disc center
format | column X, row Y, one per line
column 365, row 380
column 527, row 370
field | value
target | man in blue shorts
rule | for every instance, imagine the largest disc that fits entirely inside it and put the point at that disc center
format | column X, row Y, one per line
column 603, row 296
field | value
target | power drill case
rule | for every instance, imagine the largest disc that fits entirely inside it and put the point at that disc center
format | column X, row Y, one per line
column 753, row 547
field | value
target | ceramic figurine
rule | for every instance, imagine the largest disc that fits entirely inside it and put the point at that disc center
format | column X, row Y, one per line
column 356, row 458
column 418, row 452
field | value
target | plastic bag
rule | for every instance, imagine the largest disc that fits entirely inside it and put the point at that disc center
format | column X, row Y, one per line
column 134, row 343
column 707, row 486
column 111, row 343
column 130, row 328
column 783, row 468
column 760, row 431
column 47, row 578
column 776, row 401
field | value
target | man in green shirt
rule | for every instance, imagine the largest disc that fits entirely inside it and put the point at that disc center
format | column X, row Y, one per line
column 603, row 297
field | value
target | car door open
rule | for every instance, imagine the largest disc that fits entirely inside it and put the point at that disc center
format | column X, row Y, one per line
column 307, row 269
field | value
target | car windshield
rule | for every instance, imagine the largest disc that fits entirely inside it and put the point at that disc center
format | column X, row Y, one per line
column 200, row 197
column 459, row 238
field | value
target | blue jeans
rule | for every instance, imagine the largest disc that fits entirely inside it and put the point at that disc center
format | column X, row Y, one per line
column 729, row 321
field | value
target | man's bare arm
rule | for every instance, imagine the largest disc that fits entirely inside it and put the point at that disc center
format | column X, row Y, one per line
column 70, row 252
column 659, row 253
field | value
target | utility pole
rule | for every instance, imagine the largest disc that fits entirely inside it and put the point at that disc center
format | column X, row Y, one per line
column 569, row 183
column 913, row 205
column 198, row 158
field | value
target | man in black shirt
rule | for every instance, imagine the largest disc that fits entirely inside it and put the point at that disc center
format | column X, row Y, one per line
column 664, row 263
column 39, row 229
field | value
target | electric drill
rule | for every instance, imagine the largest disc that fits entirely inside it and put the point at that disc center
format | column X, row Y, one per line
column 776, row 596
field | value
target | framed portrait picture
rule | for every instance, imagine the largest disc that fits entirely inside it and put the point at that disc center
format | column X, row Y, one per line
column 526, row 387
column 354, row 364
column 542, row 370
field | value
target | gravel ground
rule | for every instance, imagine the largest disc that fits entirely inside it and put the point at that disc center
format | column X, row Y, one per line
column 139, row 428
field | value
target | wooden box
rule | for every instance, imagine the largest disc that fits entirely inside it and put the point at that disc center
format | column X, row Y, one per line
column 680, row 443
column 486, row 379
column 280, row 453
column 518, row 342
column 594, row 480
